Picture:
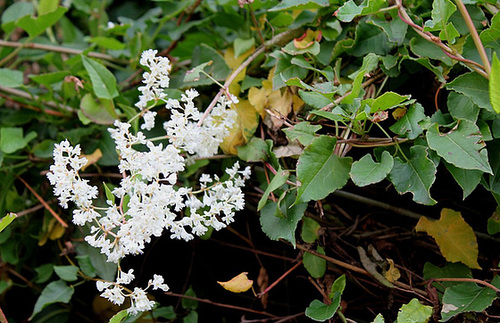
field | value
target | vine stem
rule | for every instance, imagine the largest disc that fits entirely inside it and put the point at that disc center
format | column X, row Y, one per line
column 403, row 15
column 33, row 97
column 45, row 204
column 469, row 280
column 221, row 304
column 280, row 279
column 59, row 49
column 474, row 35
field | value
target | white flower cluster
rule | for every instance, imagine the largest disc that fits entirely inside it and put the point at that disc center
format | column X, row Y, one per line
column 139, row 300
column 148, row 200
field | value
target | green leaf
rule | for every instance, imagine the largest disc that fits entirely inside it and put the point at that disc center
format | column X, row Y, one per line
column 109, row 195
column 310, row 230
column 414, row 312
column 415, row 175
column 13, row 13
column 107, row 42
column 365, row 171
column 103, row 81
column 255, row 150
column 105, row 270
column 118, row 317
column 467, row 297
column 6, row 220
column 278, row 180
column 351, row 10
column 241, row 46
column 461, row 107
column 468, row 179
column 408, row 125
column 194, row 74
column 388, row 100
column 450, row 270
column 279, row 221
column 320, row 311
column 314, row 99
column 300, row 5
column 49, row 78
column 187, row 303
column 491, row 37
column 426, row 49
column 494, row 87
column 35, row 26
column 218, row 70
column 47, row 6
column 86, row 266
column 99, row 111
column 338, row 286
column 475, row 87
column 54, row 292
column 462, row 146
column 315, row 265
column 379, row 319
column 43, row 273
column 370, row 40
column 320, row 171
column 10, row 78
column 12, row 139
column 440, row 14
column 67, row 273
column 303, row 131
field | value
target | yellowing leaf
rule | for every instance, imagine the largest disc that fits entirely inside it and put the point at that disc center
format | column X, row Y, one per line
column 54, row 231
column 455, row 238
column 244, row 128
column 92, row 158
column 234, row 62
column 307, row 39
column 238, row 284
column 392, row 274
column 273, row 106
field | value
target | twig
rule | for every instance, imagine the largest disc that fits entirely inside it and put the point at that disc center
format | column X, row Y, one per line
column 470, row 280
column 45, row 204
column 221, row 304
column 280, row 279
column 474, row 35
column 36, row 98
column 64, row 50
column 3, row 319
column 256, row 251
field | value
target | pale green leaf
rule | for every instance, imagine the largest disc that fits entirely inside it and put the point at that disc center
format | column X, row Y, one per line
column 338, row 286
column 414, row 312
column 415, row 175
column 46, row 6
column 54, row 292
column 6, row 220
column 320, row 171
column 47, row 79
column 310, row 230
column 10, row 78
column 440, row 14
column 12, row 139
column 242, row 45
column 119, row 317
column 379, row 319
column 455, row 238
column 34, row 26
column 194, row 74
column 14, row 12
column 107, row 42
column 304, row 132
column 316, row 266
column 365, row 171
column 351, row 10
column 103, row 81
column 462, row 146
column 278, row 180
column 494, row 86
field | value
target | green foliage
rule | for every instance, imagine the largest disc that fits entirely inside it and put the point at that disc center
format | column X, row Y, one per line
column 331, row 97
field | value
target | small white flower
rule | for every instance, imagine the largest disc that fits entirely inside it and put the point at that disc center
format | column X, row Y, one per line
column 157, row 282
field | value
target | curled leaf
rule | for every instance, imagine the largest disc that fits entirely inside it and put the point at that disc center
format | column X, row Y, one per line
column 238, row 284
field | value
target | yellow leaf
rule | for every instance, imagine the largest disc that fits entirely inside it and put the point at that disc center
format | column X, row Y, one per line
column 244, row 128
column 455, row 238
column 307, row 39
column 238, row 284
column 54, row 231
column 92, row 158
column 258, row 99
column 399, row 113
column 234, row 62
column 392, row 274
